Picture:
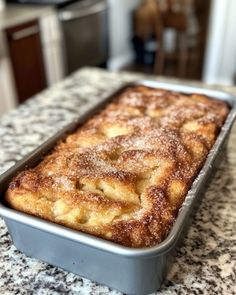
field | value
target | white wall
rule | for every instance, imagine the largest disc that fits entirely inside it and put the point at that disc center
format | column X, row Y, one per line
column 120, row 32
column 2, row 4
column 51, row 39
column 220, row 58
column 7, row 93
column 7, row 87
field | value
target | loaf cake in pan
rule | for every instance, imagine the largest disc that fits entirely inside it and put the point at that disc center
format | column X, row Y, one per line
column 124, row 174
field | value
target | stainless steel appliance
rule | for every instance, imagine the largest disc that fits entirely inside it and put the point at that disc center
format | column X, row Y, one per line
column 85, row 32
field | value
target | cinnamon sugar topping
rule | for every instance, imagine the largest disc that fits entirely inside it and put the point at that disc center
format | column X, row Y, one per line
column 124, row 174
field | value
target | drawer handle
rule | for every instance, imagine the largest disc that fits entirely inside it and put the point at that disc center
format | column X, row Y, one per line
column 68, row 15
column 25, row 33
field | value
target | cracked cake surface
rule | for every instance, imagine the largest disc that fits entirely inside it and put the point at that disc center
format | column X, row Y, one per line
column 124, row 174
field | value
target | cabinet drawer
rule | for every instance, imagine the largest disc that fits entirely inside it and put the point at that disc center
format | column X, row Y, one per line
column 27, row 59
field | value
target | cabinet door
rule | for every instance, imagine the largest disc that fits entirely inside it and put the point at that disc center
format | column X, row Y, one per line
column 27, row 59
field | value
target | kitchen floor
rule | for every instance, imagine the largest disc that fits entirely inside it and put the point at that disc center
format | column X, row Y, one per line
column 170, row 70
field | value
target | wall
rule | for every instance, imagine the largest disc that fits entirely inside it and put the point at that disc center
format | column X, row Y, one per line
column 120, row 32
column 52, row 48
column 7, row 89
column 2, row 4
column 220, row 58
column 7, row 94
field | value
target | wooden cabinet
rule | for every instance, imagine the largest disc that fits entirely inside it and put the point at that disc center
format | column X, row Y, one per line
column 26, row 57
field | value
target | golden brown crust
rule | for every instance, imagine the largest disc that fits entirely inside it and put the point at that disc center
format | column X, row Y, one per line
column 124, row 174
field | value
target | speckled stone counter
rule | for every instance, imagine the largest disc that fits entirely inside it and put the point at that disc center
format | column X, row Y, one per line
column 205, row 264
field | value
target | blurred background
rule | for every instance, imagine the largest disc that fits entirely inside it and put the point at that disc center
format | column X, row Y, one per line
column 43, row 41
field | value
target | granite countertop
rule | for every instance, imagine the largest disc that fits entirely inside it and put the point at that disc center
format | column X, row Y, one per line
column 15, row 14
column 206, row 262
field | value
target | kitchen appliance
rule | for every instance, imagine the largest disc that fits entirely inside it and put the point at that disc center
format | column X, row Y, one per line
column 84, row 26
column 133, row 271
column 85, row 31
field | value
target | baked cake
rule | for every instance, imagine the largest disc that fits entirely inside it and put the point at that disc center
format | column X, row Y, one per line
column 124, row 174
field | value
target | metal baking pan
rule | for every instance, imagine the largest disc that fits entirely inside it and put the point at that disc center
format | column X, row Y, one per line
column 133, row 271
